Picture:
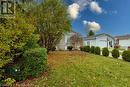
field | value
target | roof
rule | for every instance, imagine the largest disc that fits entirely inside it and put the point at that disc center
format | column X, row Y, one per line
column 90, row 38
column 94, row 37
column 123, row 37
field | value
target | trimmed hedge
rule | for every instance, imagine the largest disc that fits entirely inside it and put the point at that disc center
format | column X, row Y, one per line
column 92, row 49
column 86, row 48
column 97, row 50
column 126, row 56
column 35, row 61
column 70, row 48
column 105, row 52
column 115, row 53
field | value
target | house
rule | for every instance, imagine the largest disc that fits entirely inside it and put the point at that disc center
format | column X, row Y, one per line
column 123, row 41
column 100, row 40
column 66, row 41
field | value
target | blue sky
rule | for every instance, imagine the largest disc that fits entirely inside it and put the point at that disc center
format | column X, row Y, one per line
column 114, row 18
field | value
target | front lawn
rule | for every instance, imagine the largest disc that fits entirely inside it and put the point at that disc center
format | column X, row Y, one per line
column 79, row 69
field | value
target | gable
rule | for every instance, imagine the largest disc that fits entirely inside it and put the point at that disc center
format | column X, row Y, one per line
column 104, row 37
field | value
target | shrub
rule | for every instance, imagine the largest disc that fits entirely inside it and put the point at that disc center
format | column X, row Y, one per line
column 81, row 48
column 31, row 43
column 12, row 39
column 34, row 62
column 70, row 48
column 105, row 52
column 53, row 49
column 97, row 50
column 1, row 78
column 92, row 49
column 115, row 53
column 116, row 46
column 8, row 81
column 129, row 48
column 126, row 56
column 86, row 48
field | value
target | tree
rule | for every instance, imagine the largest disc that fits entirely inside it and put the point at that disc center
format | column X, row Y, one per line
column 52, row 22
column 14, row 34
column 76, row 40
column 26, row 5
column 91, row 33
column 25, row 1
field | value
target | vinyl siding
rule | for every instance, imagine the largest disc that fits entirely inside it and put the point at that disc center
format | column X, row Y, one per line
column 124, row 43
column 100, row 41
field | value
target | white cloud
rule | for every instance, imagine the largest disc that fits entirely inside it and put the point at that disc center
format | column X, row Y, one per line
column 76, row 7
column 73, row 10
column 84, row 22
column 93, row 26
column 79, row 5
column 94, row 6
column 82, row 3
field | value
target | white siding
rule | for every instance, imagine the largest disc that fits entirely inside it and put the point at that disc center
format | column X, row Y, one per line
column 100, row 41
column 124, row 43
column 65, row 41
column 104, row 41
column 90, row 43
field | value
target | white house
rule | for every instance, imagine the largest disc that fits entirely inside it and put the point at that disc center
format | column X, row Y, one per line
column 123, row 41
column 100, row 40
column 65, row 41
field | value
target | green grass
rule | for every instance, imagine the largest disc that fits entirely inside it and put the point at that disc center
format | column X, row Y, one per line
column 77, row 69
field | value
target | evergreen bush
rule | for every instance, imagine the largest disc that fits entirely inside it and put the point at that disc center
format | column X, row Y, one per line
column 105, row 52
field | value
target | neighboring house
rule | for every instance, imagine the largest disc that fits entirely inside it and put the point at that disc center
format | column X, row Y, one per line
column 65, row 41
column 123, row 41
column 100, row 40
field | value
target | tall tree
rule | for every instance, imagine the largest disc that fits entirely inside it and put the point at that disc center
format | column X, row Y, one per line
column 76, row 40
column 91, row 33
column 52, row 22
column 26, row 5
column 24, row 1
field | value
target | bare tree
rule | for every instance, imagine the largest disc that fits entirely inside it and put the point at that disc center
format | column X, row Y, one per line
column 76, row 40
